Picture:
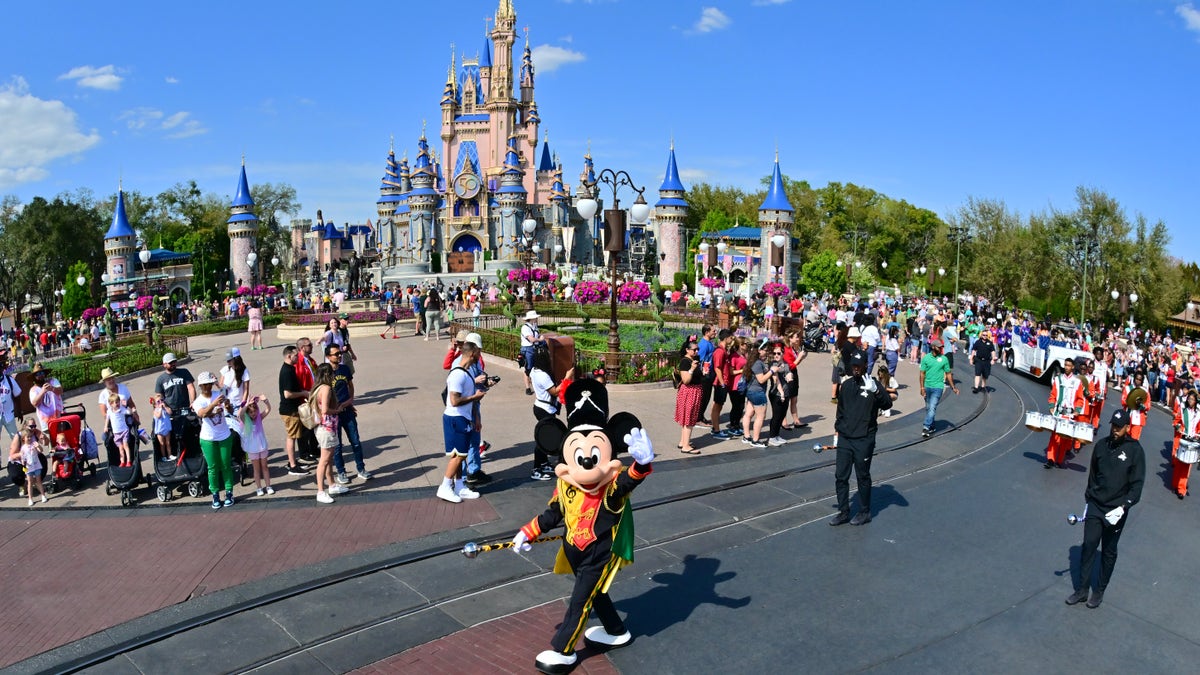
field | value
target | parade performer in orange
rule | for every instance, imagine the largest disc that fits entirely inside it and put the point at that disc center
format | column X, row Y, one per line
column 1187, row 443
column 591, row 499
column 1098, row 377
column 1068, row 401
column 1136, row 400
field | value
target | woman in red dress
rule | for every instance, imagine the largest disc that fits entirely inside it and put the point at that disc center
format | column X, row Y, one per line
column 689, row 394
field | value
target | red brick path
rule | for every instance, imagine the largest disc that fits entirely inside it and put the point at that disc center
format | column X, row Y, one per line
column 66, row 578
column 505, row 645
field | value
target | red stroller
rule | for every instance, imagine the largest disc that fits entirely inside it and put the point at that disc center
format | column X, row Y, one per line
column 72, row 462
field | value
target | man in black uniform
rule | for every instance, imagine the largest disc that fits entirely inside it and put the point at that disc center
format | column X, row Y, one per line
column 982, row 356
column 860, row 398
column 1114, row 485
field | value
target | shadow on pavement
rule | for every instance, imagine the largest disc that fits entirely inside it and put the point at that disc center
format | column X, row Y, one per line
column 883, row 496
column 678, row 595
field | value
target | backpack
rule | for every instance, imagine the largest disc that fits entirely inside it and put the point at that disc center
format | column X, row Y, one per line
column 446, row 390
column 308, row 411
column 743, row 384
column 87, row 442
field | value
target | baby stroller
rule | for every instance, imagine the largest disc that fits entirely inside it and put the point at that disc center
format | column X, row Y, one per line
column 73, row 461
column 123, row 479
column 816, row 336
column 187, row 469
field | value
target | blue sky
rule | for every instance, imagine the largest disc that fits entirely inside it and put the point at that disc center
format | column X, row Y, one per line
column 932, row 102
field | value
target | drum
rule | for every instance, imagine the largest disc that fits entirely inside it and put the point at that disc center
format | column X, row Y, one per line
column 1049, row 422
column 1082, row 432
column 1033, row 421
column 1189, row 451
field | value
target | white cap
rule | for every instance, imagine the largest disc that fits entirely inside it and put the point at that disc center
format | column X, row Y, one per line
column 206, row 378
column 475, row 339
column 169, row 357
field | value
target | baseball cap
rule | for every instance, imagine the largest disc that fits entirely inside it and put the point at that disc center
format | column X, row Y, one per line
column 935, row 343
column 232, row 354
column 168, row 358
column 206, row 378
column 858, row 358
column 462, row 335
column 475, row 339
column 1119, row 418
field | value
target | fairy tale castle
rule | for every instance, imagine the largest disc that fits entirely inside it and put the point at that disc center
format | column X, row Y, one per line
column 460, row 206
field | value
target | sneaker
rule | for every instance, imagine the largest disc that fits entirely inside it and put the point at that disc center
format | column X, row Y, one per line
column 447, row 493
column 735, row 432
column 747, row 441
column 43, row 499
column 363, row 474
column 538, row 474
column 342, row 478
column 383, row 335
column 721, row 435
column 1077, row 597
column 861, row 518
column 395, row 337
column 1048, row 465
column 776, row 442
column 478, row 478
column 484, row 447
column 324, row 497
column 887, row 413
column 337, row 489
column 259, row 492
column 216, row 502
column 297, row 470
column 31, row 502
column 758, row 444
column 170, row 458
column 270, row 490
column 1094, row 601
column 228, row 499
column 467, row 493
column 840, row 519
column 926, row 432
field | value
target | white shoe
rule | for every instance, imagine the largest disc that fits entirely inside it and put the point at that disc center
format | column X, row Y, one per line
column 467, row 493
column 270, row 490
column 259, row 492
column 887, row 413
column 336, row 489
column 597, row 635
column 31, row 502
column 324, row 497
column 776, row 442
column 447, row 493
column 551, row 661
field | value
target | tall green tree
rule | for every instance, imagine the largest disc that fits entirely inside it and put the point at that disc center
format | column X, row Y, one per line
column 822, row 274
column 77, row 298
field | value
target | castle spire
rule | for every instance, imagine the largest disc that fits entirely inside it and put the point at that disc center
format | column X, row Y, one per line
column 546, row 163
column 776, row 194
column 120, row 223
column 671, row 178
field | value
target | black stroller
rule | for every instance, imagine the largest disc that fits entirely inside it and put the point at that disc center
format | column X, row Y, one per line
column 120, row 478
column 187, row 468
column 816, row 336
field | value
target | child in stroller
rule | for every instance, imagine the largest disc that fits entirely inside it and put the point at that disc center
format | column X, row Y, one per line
column 67, row 458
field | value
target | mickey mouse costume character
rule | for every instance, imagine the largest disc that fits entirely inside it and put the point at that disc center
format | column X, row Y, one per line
column 591, row 498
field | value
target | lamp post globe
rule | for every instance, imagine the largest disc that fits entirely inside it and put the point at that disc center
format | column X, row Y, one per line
column 104, row 278
column 883, row 264
column 144, row 256
column 924, row 269
column 640, row 210
column 274, row 261
column 587, row 208
column 779, row 240
column 1116, row 295
column 1133, row 297
column 81, row 280
column 529, row 226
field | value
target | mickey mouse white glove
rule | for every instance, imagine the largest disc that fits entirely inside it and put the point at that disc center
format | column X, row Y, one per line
column 1113, row 517
column 870, row 385
column 639, row 446
column 520, row 543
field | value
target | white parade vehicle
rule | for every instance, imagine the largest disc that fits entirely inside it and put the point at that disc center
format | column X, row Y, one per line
column 1038, row 362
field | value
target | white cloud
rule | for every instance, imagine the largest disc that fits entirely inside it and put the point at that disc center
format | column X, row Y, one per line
column 547, row 58
column 104, row 77
column 140, row 118
column 35, row 132
column 1190, row 16
column 181, row 125
column 172, row 80
column 711, row 19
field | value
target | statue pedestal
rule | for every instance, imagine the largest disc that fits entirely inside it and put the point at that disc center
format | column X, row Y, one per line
column 359, row 306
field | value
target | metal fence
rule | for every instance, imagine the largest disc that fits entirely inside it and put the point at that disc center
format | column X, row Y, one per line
column 636, row 367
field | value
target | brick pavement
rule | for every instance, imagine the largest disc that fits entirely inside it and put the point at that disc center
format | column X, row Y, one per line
column 505, row 645
column 117, row 569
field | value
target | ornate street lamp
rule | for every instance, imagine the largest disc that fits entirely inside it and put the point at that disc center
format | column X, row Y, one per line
column 614, row 221
column 251, row 260
column 529, row 226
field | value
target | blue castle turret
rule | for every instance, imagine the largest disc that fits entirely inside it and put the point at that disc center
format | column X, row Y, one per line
column 775, row 217
column 120, row 249
column 670, row 212
column 242, row 227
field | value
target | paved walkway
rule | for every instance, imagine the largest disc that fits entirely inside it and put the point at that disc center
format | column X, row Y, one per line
column 94, row 569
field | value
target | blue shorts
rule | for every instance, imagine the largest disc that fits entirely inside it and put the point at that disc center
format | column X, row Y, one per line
column 34, row 474
column 456, row 433
column 756, row 397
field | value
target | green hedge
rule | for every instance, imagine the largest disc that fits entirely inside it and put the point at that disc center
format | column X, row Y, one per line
column 81, row 370
column 220, row 326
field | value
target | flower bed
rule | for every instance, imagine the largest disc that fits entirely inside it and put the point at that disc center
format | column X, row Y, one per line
column 355, row 317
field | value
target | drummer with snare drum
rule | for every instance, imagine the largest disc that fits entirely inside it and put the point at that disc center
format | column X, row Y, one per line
column 1187, row 441
column 1136, row 400
column 1068, row 399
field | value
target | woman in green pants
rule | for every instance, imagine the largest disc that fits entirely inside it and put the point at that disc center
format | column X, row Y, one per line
column 215, row 440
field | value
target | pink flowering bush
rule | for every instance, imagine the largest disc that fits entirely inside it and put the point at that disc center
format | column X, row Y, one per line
column 243, row 290
column 633, row 291
column 144, row 302
column 539, row 274
column 775, row 289
column 591, row 292
column 712, row 282
column 93, row 313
